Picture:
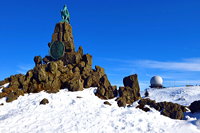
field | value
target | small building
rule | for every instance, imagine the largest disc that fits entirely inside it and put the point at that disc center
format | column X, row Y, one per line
column 156, row 82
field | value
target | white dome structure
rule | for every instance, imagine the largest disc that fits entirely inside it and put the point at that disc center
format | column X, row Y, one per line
column 156, row 82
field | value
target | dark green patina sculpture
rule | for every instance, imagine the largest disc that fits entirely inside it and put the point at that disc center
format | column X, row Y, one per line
column 65, row 15
column 57, row 49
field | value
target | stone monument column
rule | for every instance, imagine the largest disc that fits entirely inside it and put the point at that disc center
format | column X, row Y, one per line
column 63, row 33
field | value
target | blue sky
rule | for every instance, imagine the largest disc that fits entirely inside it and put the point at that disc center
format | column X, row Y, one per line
column 146, row 37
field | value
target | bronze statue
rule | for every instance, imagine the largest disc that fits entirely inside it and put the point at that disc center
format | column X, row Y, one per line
column 65, row 15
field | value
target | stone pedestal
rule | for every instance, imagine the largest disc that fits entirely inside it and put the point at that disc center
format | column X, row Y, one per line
column 63, row 33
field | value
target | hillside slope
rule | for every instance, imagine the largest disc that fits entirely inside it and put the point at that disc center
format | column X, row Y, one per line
column 84, row 112
column 181, row 95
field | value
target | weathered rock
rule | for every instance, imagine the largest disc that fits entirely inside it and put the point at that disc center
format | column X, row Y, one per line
column 38, row 60
column 195, row 106
column 53, row 67
column 169, row 109
column 87, row 59
column 11, row 97
column 86, row 72
column 100, row 70
column 131, row 92
column 9, row 90
column 39, row 74
column 3, row 94
column 76, row 70
column 44, row 101
column 142, row 107
column 104, row 81
column 14, row 78
column 63, row 33
column 34, row 87
column 14, row 84
column 69, row 46
column 75, row 84
column 14, row 95
column 29, row 75
column 72, row 58
column 132, row 82
column 105, row 90
column 4, row 82
column 93, row 80
column 81, row 65
column 47, row 59
column 107, row 103
column 121, row 102
column 16, row 81
column 80, row 51
column 52, row 86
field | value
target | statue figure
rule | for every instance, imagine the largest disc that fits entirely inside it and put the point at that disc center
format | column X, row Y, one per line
column 65, row 15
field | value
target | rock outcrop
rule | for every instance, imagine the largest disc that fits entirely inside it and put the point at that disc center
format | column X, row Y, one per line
column 169, row 109
column 130, row 92
column 44, row 101
column 72, row 71
column 195, row 106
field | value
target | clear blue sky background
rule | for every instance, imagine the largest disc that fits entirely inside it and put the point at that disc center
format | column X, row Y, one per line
column 147, row 37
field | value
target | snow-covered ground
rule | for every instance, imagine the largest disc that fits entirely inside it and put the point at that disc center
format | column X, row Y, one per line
column 181, row 95
column 68, row 113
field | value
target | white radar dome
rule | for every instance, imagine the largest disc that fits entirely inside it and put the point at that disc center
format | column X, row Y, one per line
column 156, row 81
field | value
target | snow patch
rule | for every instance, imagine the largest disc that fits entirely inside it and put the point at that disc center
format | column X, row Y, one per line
column 83, row 112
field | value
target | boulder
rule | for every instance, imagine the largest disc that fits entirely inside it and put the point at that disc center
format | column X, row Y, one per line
column 132, row 82
column 131, row 92
column 105, row 90
column 195, row 106
column 47, row 59
column 169, row 109
column 38, row 60
column 107, row 103
column 121, row 102
column 93, row 79
column 142, row 107
column 44, row 101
